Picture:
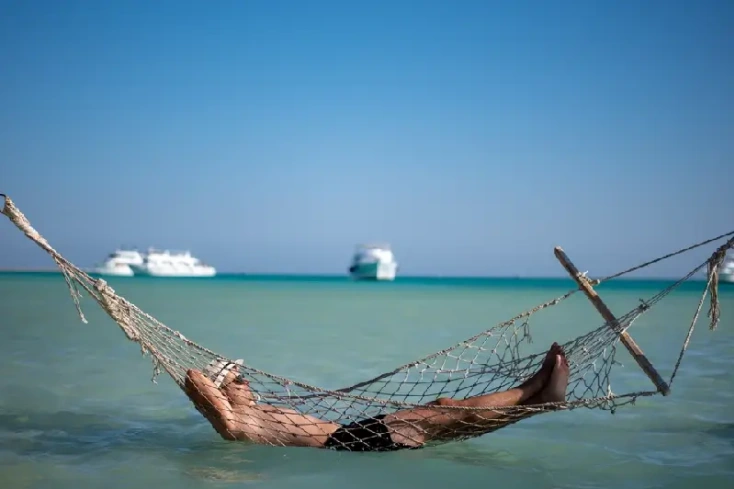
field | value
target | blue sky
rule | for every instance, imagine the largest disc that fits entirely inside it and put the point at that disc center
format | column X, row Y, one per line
column 272, row 136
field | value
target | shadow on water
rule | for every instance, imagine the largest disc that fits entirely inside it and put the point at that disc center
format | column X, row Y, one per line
column 187, row 446
column 84, row 438
column 725, row 431
column 75, row 433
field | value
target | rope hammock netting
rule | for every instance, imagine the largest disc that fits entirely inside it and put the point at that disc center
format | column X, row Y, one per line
column 284, row 412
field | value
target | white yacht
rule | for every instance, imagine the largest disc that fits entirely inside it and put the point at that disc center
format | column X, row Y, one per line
column 373, row 262
column 157, row 263
column 119, row 263
column 726, row 272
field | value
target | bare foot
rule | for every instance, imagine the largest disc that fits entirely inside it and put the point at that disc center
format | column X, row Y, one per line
column 550, row 356
column 542, row 376
column 555, row 389
column 556, row 384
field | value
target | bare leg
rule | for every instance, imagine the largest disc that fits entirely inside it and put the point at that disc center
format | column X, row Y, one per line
column 517, row 395
column 413, row 427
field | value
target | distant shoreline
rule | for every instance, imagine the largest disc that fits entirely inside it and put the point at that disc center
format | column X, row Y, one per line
column 344, row 276
column 29, row 270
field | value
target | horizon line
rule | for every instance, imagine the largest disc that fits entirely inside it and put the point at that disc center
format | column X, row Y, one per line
column 346, row 276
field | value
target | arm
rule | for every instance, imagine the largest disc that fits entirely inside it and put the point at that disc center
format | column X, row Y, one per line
column 235, row 416
column 211, row 402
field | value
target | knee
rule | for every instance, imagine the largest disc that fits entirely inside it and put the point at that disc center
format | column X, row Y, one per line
column 442, row 401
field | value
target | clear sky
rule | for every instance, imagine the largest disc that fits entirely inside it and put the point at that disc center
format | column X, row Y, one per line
column 273, row 136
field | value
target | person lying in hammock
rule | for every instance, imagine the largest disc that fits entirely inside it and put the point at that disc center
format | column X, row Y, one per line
column 235, row 414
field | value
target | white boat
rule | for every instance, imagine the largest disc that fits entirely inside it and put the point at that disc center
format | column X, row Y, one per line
column 118, row 263
column 726, row 272
column 373, row 262
column 157, row 263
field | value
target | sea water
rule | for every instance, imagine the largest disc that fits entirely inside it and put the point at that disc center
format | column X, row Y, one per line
column 78, row 408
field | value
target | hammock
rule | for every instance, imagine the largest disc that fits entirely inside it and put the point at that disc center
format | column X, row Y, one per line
column 489, row 362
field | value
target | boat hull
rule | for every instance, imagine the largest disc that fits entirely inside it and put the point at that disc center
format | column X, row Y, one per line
column 373, row 271
column 119, row 270
column 165, row 272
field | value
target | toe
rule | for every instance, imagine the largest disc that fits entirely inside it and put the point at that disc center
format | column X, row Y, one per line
column 559, row 361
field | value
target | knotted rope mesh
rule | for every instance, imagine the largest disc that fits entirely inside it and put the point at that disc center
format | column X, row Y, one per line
column 490, row 362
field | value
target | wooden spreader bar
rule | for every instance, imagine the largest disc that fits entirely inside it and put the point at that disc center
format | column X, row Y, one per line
column 625, row 338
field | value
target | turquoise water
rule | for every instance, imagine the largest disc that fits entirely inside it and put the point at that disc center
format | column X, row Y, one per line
column 78, row 410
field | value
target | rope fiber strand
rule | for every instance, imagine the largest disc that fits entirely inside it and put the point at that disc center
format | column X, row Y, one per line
column 416, row 400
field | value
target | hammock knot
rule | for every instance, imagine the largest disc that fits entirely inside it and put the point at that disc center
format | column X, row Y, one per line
column 714, row 264
column 22, row 223
column 116, row 308
column 103, row 288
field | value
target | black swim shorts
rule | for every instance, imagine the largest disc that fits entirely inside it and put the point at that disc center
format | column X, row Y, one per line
column 369, row 435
